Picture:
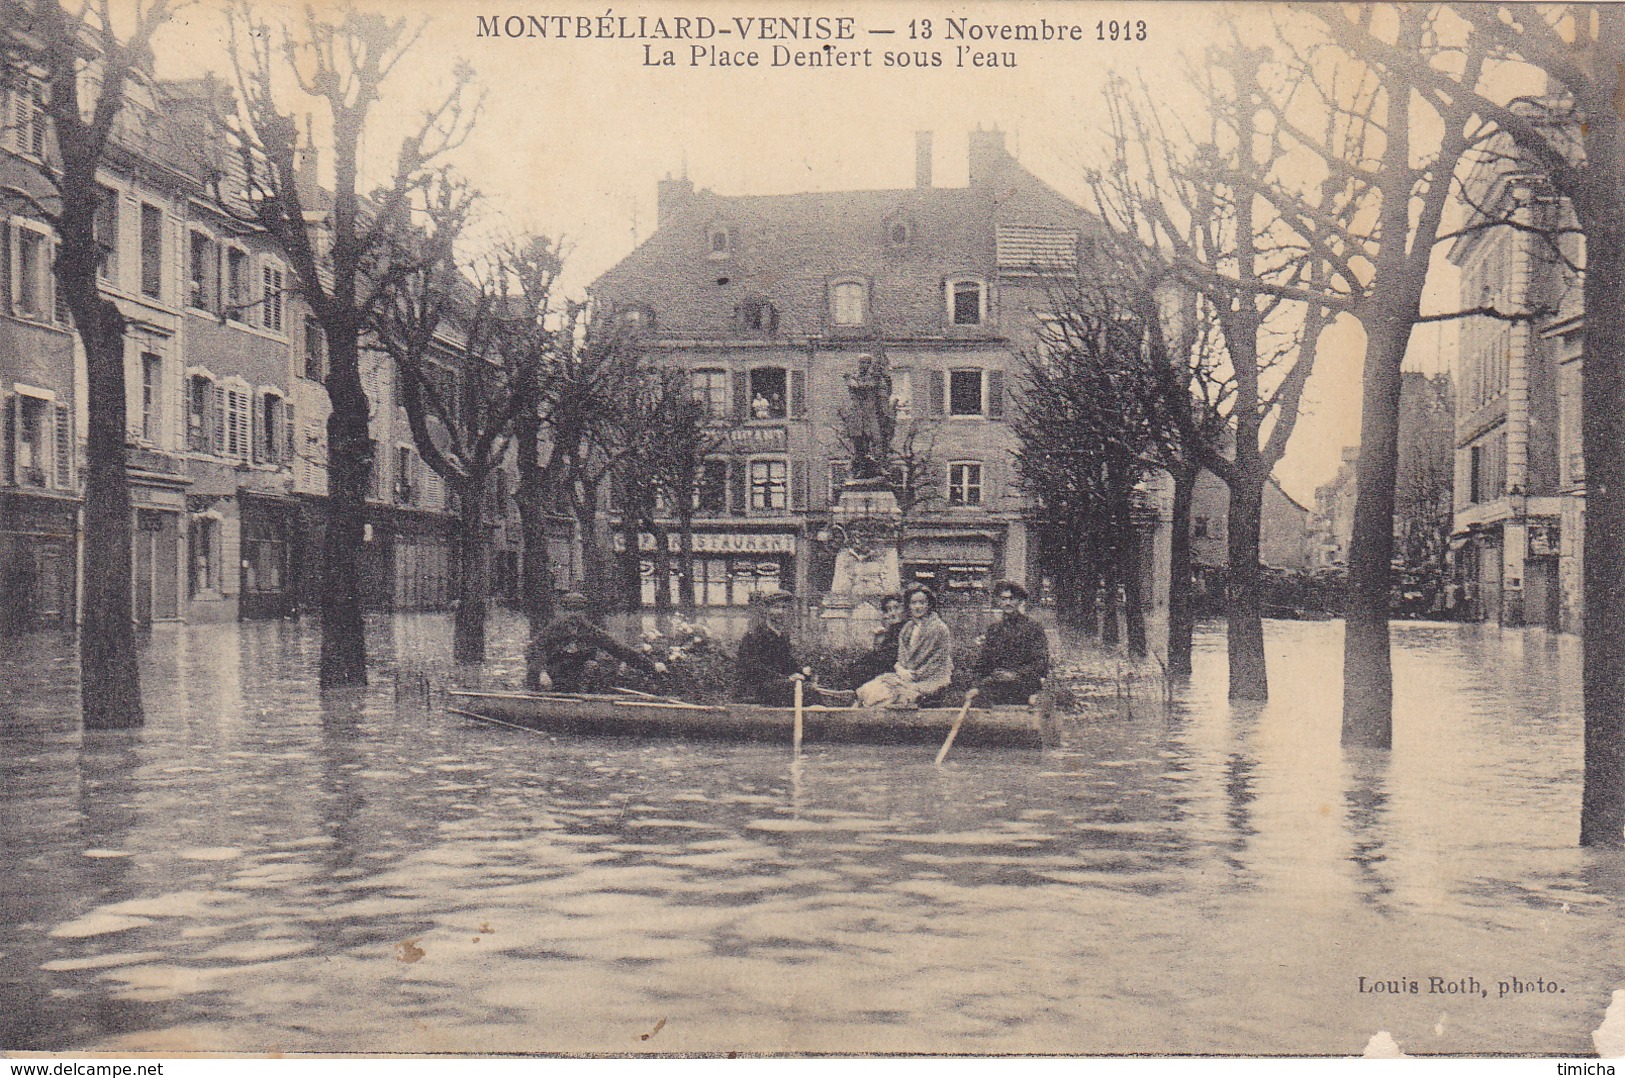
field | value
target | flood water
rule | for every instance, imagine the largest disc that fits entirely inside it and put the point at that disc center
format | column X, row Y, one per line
column 259, row 871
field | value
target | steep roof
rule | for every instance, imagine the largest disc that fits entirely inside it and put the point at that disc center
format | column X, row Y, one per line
column 789, row 249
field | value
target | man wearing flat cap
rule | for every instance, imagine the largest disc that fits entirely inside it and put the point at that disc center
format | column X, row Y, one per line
column 576, row 654
column 765, row 668
column 1015, row 652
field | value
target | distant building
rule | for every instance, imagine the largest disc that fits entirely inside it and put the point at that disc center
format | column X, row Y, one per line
column 1284, row 528
column 768, row 301
column 1331, row 527
column 1508, row 532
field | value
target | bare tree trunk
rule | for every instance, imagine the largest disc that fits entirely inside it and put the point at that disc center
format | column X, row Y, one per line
column 1602, row 804
column 1368, row 679
column 1132, row 566
column 1181, row 616
column 662, row 567
column 1110, row 632
column 109, row 677
column 350, row 453
column 1249, row 678
column 473, row 575
column 685, row 564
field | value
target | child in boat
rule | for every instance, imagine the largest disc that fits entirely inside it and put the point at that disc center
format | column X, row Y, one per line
column 765, row 669
column 925, row 660
column 576, row 655
column 882, row 657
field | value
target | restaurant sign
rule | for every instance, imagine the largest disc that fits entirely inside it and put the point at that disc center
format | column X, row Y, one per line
column 757, row 439
column 718, row 543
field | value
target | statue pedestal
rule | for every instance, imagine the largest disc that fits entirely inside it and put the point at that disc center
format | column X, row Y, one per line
column 868, row 522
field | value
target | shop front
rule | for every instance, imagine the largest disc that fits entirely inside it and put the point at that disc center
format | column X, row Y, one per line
column 729, row 567
column 269, row 526
column 960, row 567
column 38, row 561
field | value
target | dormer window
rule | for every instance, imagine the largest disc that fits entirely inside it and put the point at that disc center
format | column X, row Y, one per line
column 721, row 241
column 758, row 316
column 899, row 232
column 967, row 301
column 849, row 302
column 636, row 317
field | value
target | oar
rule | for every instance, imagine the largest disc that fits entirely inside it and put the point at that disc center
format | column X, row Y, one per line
column 650, row 696
column 797, row 741
column 959, row 720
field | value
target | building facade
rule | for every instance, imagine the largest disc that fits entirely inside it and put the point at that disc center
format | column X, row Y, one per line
column 226, row 410
column 768, row 301
column 1508, row 534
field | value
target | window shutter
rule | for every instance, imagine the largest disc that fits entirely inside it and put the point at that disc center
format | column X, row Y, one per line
column 256, row 425
column 741, row 396
column 934, row 392
column 288, row 429
column 798, row 484
column 12, row 404
column 58, row 304
column 64, row 447
column 738, row 494
column 214, row 421
column 995, row 394
column 798, row 394
column 5, row 268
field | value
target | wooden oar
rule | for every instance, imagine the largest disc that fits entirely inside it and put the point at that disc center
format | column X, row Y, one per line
column 797, row 740
column 650, row 695
column 959, row 720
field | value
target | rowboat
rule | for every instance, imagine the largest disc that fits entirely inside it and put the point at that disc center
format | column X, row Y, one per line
column 559, row 713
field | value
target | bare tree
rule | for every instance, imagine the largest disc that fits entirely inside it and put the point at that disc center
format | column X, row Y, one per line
column 1576, row 136
column 79, row 70
column 336, row 241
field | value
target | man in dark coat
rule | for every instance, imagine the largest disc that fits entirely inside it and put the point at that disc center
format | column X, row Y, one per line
column 765, row 668
column 1015, row 652
column 576, row 654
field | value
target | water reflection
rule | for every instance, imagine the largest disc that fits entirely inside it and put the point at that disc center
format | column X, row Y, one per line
column 260, row 869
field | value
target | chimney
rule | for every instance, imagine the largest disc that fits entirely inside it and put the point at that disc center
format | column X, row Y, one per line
column 987, row 156
column 670, row 197
column 922, row 159
column 305, row 169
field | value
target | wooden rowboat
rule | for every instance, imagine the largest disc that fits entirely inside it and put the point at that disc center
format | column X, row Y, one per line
column 557, row 713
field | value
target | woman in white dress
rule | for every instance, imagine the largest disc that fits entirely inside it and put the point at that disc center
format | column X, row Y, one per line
column 925, row 659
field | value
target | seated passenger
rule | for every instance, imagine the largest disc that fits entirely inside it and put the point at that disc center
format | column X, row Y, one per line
column 882, row 656
column 925, row 660
column 765, row 669
column 1015, row 652
column 576, row 655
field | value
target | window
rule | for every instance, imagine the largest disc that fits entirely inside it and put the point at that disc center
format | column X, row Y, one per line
column 848, row 303
column 237, row 299
column 769, row 486
column 203, row 291
column 902, row 393
column 965, row 392
column 967, row 302
column 199, row 412
column 152, row 251
column 233, row 437
column 899, row 233
column 721, row 241
column 152, row 396
column 27, row 119
column 965, row 483
column 1201, row 528
column 768, row 393
column 105, row 226
column 711, row 492
column 31, row 292
column 273, row 427
column 758, row 316
column 404, row 469
column 711, row 392
column 32, row 447
column 271, row 308
column 315, row 350
column 636, row 318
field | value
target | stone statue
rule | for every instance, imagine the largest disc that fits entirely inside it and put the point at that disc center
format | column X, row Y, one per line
column 872, row 420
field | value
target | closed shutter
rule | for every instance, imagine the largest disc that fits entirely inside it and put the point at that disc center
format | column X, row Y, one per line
column 995, row 394
column 741, row 396
column 798, row 484
column 59, row 299
column 934, row 392
column 798, row 394
column 5, row 268
column 214, row 421
column 64, row 448
column 738, row 494
column 12, row 404
column 257, row 418
column 288, row 430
